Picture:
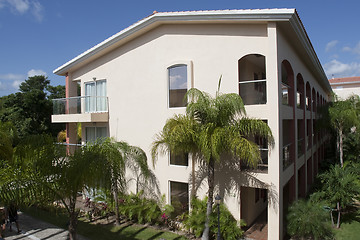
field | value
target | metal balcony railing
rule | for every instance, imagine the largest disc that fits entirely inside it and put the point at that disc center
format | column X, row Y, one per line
column 81, row 104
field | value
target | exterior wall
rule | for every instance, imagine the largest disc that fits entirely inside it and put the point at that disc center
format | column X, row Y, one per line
column 346, row 91
column 137, row 89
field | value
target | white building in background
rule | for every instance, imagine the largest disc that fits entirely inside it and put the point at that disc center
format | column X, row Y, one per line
column 345, row 87
column 132, row 82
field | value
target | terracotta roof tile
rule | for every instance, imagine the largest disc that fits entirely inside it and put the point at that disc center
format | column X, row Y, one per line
column 344, row 80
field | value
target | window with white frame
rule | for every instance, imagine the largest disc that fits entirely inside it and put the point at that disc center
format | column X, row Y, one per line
column 178, row 80
column 95, row 96
column 93, row 134
column 179, row 197
column 179, row 159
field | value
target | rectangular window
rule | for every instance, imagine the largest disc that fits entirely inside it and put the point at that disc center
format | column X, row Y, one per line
column 179, row 159
column 95, row 96
column 95, row 133
column 179, row 197
column 177, row 85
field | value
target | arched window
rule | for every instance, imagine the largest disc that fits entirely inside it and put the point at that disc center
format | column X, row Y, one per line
column 300, row 92
column 287, row 83
column 177, row 85
column 252, row 79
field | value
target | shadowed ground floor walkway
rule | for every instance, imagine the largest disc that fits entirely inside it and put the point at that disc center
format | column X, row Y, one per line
column 259, row 229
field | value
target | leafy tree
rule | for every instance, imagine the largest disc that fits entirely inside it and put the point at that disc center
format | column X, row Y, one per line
column 211, row 127
column 30, row 109
column 342, row 116
column 8, row 138
column 339, row 188
column 308, row 220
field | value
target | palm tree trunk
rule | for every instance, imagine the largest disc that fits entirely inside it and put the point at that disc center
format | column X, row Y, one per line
column 211, row 176
column 117, row 216
column 73, row 219
column 339, row 214
column 341, row 147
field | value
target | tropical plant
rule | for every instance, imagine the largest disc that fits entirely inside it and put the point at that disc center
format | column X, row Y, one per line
column 212, row 127
column 307, row 219
column 41, row 173
column 140, row 209
column 342, row 116
column 339, row 189
column 120, row 156
column 195, row 219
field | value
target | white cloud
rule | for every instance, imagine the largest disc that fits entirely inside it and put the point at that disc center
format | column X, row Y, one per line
column 330, row 45
column 338, row 69
column 10, row 82
column 37, row 11
column 20, row 6
column 24, row 6
column 34, row 72
column 354, row 50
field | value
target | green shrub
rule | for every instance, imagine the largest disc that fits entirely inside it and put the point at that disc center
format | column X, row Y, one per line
column 195, row 221
column 308, row 220
column 139, row 209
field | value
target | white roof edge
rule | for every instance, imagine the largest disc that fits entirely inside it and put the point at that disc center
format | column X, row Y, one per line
column 281, row 14
column 344, row 83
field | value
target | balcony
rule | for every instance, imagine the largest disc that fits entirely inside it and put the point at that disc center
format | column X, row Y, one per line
column 286, row 156
column 262, row 167
column 80, row 109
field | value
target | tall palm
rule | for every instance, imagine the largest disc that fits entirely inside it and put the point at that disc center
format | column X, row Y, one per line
column 212, row 127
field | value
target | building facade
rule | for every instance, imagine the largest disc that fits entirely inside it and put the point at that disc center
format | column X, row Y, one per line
column 345, row 87
column 132, row 82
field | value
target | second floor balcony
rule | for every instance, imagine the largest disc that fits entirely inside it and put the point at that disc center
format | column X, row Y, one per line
column 80, row 109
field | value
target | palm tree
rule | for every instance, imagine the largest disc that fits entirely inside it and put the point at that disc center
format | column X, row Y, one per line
column 308, row 220
column 211, row 127
column 41, row 173
column 120, row 156
column 339, row 188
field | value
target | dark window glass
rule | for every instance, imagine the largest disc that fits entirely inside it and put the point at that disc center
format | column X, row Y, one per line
column 179, row 159
column 177, row 85
column 179, row 197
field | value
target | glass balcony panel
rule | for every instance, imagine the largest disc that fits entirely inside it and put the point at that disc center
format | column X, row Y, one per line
column 77, row 105
column 253, row 92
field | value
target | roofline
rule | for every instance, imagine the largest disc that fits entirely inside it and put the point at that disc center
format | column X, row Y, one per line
column 163, row 17
column 275, row 15
column 344, row 83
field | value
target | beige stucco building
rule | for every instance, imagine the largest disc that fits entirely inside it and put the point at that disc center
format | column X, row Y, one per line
column 345, row 87
column 132, row 82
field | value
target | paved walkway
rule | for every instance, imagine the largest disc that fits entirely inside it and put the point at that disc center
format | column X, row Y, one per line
column 34, row 229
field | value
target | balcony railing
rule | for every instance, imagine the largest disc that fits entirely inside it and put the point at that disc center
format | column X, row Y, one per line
column 262, row 166
column 286, row 156
column 77, row 105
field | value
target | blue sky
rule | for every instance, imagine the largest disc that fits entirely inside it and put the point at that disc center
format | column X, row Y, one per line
column 37, row 36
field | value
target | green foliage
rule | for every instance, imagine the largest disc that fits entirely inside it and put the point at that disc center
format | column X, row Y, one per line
column 308, row 220
column 139, row 209
column 339, row 185
column 30, row 108
column 212, row 127
column 195, row 220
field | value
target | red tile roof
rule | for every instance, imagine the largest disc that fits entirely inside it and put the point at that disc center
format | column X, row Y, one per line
column 347, row 80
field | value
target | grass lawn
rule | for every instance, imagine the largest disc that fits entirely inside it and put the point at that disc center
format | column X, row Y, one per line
column 350, row 226
column 104, row 232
